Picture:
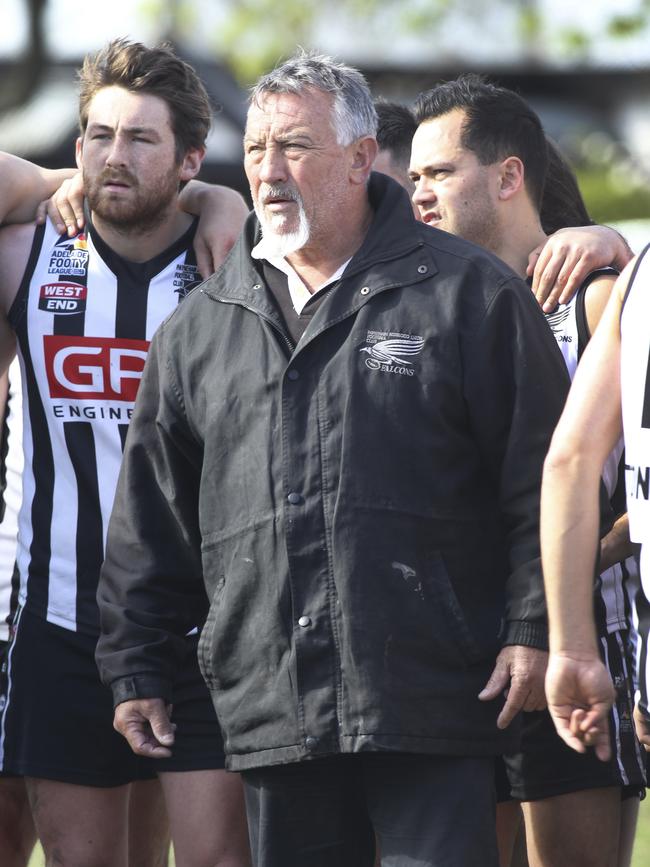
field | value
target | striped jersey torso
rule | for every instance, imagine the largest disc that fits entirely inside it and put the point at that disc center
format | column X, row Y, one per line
column 84, row 318
column 11, row 471
column 635, row 399
column 569, row 325
column 635, row 392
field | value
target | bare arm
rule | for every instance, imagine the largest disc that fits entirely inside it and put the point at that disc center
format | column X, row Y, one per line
column 559, row 267
column 222, row 212
column 616, row 545
column 15, row 244
column 23, row 186
column 578, row 687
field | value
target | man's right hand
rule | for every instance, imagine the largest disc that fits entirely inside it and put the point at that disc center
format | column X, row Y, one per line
column 580, row 693
column 145, row 723
column 66, row 207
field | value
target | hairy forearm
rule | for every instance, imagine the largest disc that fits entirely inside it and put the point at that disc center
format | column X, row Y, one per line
column 24, row 185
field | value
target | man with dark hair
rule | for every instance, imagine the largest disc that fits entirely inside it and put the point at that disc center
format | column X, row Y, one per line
column 479, row 162
column 346, row 452
column 83, row 307
column 395, row 130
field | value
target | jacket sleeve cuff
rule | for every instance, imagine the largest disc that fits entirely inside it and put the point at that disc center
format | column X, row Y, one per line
column 140, row 686
column 527, row 634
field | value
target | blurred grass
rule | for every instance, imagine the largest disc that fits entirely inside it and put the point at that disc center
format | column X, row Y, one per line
column 641, row 854
column 38, row 859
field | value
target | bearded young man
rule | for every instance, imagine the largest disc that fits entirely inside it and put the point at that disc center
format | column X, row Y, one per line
column 83, row 310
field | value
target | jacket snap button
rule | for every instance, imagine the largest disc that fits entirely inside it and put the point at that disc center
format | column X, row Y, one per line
column 422, row 269
column 304, row 621
column 293, row 375
column 364, row 290
column 294, row 498
column 311, row 743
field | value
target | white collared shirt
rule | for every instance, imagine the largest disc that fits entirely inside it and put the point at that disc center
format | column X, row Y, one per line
column 299, row 293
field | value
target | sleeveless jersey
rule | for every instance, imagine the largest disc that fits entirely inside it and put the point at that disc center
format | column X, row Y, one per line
column 635, row 400
column 635, row 395
column 11, row 472
column 84, row 318
column 571, row 331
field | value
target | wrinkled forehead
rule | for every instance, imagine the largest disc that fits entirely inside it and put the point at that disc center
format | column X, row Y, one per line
column 310, row 110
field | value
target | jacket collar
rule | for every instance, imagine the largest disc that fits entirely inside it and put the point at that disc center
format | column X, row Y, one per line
column 378, row 264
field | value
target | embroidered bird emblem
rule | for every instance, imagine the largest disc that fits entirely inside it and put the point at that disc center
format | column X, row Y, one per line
column 393, row 350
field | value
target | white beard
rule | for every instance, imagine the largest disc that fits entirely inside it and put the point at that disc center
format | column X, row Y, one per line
column 282, row 244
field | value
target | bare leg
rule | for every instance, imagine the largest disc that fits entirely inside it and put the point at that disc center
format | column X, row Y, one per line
column 508, row 821
column 207, row 818
column 580, row 829
column 17, row 832
column 149, row 838
column 629, row 816
column 80, row 826
column 519, row 854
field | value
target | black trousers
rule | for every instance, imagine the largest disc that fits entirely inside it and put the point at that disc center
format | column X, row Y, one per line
column 423, row 811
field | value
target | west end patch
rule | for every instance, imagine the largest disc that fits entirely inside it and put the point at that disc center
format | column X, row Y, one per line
column 62, row 298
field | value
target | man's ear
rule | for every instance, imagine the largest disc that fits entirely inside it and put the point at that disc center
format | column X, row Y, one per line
column 191, row 163
column 363, row 153
column 78, row 147
column 511, row 177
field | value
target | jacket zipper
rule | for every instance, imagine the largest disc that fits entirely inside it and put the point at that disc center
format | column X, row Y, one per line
column 285, row 338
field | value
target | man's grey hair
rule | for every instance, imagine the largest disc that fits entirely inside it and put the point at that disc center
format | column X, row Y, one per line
column 354, row 114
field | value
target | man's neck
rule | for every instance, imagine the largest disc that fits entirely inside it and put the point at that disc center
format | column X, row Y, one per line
column 320, row 258
column 141, row 245
column 518, row 240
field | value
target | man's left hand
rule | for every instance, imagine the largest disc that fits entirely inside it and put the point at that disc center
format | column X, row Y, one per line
column 519, row 674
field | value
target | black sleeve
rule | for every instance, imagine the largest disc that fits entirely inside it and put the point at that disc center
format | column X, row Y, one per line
column 151, row 591
column 516, row 383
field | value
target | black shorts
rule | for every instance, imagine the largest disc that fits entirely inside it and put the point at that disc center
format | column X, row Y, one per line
column 3, row 690
column 546, row 766
column 57, row 722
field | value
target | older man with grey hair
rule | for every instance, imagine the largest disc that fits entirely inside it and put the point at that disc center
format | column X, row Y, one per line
column 340, row 437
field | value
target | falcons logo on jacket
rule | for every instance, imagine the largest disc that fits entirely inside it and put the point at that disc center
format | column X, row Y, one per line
column 392, row 351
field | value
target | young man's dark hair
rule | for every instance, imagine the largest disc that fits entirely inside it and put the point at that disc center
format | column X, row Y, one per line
column 498, row 124
column 156, row 71
column 395, row 130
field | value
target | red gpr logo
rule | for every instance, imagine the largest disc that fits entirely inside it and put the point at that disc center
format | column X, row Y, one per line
column 96, row 368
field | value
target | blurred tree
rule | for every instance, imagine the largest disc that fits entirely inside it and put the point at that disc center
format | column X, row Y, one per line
column 257, row 33
column 26, row 75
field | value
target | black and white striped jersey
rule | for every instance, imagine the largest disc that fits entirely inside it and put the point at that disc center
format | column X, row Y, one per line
column 570, row 329
column 84, row 318
column 11, row 471
column 635, row 396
